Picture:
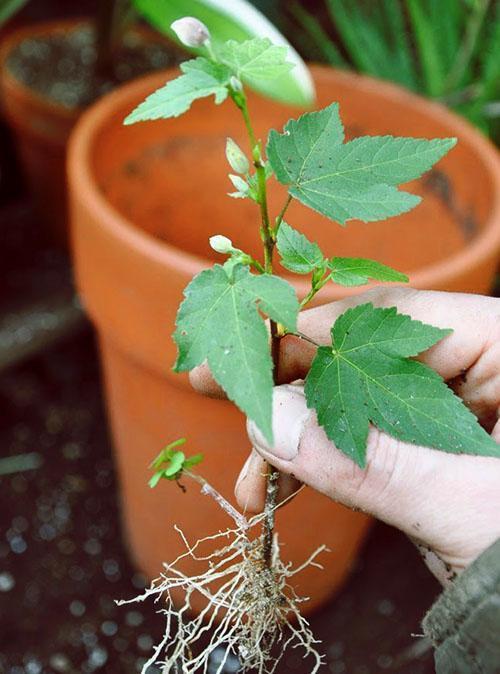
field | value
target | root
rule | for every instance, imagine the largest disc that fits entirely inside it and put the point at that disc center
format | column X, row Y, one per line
column 251, row 611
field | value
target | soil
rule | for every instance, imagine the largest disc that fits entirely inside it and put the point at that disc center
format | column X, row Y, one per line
column 60, row 66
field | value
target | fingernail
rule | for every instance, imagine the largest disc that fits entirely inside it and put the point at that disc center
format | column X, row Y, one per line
column 244, row 471
column 290, row 414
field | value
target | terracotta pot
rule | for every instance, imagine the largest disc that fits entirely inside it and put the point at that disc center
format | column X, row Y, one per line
column 41, row 128
column 144, row 200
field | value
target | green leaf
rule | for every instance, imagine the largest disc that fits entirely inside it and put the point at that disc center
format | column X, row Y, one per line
column 176, row 465
column 254, row 60
column 154, row 479
column 201, row 78
column 236, row 20
column 350, row 180
column 166, row 453
column 219, row 322
column 193, row 460
column 356, row 271
column 367, row 375
column 298, row 254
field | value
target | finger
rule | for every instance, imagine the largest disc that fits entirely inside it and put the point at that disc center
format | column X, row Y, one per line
column 201, row 380
column 250, row 489
column 475, row 321
column 427, row 494
column 479, row 386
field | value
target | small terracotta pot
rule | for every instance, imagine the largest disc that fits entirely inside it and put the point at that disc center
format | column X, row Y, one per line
column 145, row 199
column 41, row 128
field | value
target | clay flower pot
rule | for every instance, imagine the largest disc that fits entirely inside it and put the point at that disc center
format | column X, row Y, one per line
column 145, row 199
column 42, row 126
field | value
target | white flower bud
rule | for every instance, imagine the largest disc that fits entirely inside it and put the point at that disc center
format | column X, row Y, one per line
column 236, row 158
column 221, row 244
column 235, row 83
column 191, row 32
column 240, row 184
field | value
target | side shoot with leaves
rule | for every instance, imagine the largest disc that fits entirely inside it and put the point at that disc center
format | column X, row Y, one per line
column 367, row 374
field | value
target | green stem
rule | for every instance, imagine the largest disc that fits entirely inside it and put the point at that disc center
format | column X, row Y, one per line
column 281, row 215
column 257, row 266
column 268, row 241
column 316, row 287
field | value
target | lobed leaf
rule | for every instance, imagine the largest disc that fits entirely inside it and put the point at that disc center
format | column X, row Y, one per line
column 356, row 271
column 357, row 179
column 256, row 59
column 219, row 322
column 298, row 254
column 366, row 375
column 201, row 78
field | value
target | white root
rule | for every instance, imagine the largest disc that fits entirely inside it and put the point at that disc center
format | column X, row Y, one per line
column 251, row 612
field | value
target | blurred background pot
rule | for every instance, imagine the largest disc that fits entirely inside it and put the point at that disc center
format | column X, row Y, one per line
column 145, row 199
column 48, row 75
column 41, row 128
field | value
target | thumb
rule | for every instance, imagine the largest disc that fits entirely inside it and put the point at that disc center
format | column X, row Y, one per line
column 426, row 493
column 302, row 450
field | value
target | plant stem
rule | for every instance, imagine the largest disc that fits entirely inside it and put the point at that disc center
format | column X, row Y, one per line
column 268, row 240
column 208, row 490
column 281, row 215
column 110, row 22
column 315, row 289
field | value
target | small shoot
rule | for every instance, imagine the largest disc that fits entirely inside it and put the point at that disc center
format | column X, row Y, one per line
column 171, row 463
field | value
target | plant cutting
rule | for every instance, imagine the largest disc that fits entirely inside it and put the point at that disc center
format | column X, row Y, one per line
column 367, row 374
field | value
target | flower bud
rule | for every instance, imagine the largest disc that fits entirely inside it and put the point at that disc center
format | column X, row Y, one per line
column 236, row 158
column 221, row 244
column 235, row 84
column 240, row 184
column 191, row 32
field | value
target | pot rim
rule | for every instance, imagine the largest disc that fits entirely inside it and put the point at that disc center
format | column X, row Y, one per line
column 41, row 28
column 162, row 253
column 36, row 29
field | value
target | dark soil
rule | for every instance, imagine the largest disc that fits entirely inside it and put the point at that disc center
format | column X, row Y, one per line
column 61, row 66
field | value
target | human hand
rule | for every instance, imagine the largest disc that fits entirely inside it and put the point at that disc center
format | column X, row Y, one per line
column 448, row 504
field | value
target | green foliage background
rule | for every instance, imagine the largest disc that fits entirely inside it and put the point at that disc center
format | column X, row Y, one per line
column 448, row 50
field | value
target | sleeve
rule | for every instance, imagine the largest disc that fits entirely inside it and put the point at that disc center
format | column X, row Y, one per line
column 464, row 623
